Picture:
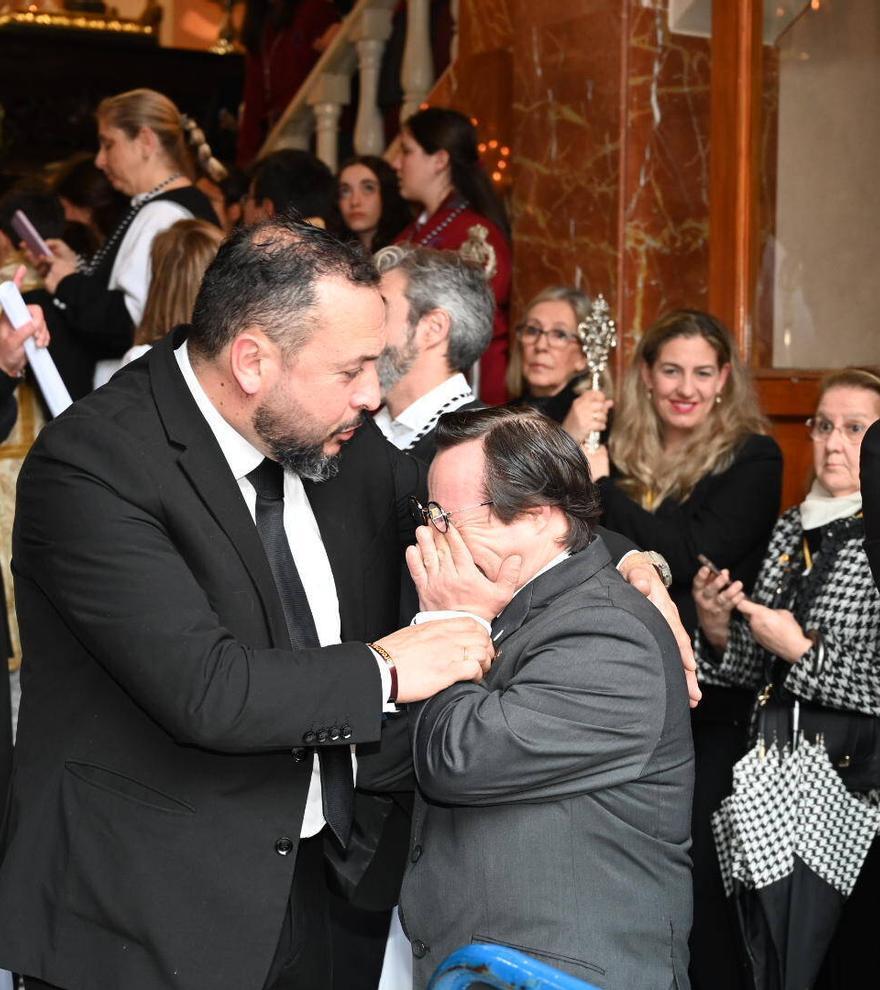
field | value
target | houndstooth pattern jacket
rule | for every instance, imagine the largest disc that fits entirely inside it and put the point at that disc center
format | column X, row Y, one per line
column 838, row 599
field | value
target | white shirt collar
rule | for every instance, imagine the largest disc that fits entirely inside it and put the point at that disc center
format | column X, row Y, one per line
column 418, row 416
column 241, row 455
column 423, row 410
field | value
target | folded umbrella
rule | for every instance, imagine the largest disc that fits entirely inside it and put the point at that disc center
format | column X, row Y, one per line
column 791, row 841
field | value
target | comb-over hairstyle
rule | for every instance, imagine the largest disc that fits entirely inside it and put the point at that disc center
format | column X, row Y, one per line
column 530, row 461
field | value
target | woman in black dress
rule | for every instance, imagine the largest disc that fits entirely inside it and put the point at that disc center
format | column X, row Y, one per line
column 690, row 470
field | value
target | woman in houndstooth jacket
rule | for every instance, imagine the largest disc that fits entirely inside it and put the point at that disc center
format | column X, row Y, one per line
column 812, row 624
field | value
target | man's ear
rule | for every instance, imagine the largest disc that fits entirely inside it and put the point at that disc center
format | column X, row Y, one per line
column 434, row 328
column 252, row 361
column 540, row 517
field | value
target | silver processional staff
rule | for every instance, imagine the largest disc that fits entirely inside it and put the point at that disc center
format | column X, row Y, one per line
column 598, row 335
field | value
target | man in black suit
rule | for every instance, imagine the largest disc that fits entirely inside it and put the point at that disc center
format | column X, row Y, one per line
column 192, row 682
column 870, row 484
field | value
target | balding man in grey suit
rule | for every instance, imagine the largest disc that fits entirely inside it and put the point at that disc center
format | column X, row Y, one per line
column 554, row 802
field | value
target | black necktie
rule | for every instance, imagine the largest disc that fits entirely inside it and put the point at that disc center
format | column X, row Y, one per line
column 337, row 785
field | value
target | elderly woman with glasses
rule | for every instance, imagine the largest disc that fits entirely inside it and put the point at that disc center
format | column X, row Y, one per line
column 547, row 366
column 809, row 634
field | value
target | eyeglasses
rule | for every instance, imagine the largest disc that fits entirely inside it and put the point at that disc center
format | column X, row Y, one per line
column 820, row 428
column 528, row 333
column 435, row 514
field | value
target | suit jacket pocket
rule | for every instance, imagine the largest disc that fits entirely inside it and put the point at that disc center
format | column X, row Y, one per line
column 127, row 788
column 552, row 958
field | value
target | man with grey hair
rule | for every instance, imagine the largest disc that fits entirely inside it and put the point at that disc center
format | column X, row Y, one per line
column 439, row 322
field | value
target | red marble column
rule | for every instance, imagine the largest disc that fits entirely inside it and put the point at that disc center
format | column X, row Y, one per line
column 607, row 117
column 610, row 181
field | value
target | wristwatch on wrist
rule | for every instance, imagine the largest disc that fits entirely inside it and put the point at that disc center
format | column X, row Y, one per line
column 660, row 565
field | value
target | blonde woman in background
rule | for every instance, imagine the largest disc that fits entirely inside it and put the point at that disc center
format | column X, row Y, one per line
column 547, row 364
column 143, row 152
column 692, row 471
column 178, row 257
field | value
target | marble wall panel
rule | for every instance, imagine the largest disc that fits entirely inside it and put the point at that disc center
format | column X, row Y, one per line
column 665, row 173
column 566, row 146
column 611, row 175
column 607, row 115
column 484, row 25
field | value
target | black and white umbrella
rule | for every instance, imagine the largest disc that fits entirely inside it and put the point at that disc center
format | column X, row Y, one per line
column 791, row 842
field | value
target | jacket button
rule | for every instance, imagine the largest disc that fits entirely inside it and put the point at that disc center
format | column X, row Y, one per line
column 334, row 732
column 322, row 735
column 416, row 854
column 309, row 738
column 299, row 754
column 283, row 846
column 419, row 949
column 346, row 731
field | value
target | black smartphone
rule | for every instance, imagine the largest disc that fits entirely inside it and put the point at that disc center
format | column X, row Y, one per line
column 704, row 560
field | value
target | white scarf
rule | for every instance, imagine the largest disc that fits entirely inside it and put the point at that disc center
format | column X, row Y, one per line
column 820, row 507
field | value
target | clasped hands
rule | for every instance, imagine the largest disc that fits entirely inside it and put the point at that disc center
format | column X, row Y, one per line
column 775, row 629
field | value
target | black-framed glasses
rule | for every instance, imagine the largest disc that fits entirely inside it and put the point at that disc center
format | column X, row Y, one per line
column 530, row 333
column 435, row 514
column 820, row 428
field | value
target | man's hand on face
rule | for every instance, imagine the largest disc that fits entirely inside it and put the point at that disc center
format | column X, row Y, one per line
column 638, row 571
column 431, row 656
column 446, row 576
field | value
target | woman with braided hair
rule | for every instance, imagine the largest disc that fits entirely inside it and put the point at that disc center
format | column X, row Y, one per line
column 143, row 152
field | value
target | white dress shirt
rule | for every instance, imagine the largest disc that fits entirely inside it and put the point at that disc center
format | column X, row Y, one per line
column 132, row 269
column 307, row 548
column 420, row 417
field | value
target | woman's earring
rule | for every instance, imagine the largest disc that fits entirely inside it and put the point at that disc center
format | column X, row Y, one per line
column 718, row 399
column 650, row 392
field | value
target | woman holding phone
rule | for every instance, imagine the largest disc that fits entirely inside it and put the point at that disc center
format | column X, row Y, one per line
column 689, row 469
column 143, row 152
column 795, row 633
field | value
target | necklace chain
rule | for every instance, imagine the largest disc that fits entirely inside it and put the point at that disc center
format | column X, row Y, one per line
column 94, row 263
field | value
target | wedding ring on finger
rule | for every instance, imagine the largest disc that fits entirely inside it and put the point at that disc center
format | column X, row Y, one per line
column 465, row 656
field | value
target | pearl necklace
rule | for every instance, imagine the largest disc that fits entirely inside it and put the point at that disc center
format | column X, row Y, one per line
column 94, row 263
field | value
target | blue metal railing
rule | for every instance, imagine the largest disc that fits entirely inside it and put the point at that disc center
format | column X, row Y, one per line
column 501, row 968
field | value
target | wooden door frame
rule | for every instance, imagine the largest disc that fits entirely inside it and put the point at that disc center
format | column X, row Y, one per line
column 787, row 395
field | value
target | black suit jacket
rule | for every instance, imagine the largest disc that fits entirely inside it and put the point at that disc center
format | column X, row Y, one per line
column 870, row 482
column 160, row 775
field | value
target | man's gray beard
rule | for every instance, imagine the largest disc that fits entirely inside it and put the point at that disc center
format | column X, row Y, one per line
column 395, row 362
column 308, row 460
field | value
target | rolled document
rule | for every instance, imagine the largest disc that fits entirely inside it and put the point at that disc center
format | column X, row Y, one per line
column 51, row 385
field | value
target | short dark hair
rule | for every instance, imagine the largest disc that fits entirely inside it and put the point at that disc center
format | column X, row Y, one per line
column 530, row 461
column 444, row 280
column 266, row 276
column 297, row 180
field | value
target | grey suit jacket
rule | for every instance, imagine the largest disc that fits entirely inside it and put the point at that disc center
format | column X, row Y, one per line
column 555, row 798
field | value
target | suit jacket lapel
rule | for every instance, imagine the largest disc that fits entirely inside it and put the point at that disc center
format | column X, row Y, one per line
column 338, row 525
column 550, row 585
column 202, row 461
